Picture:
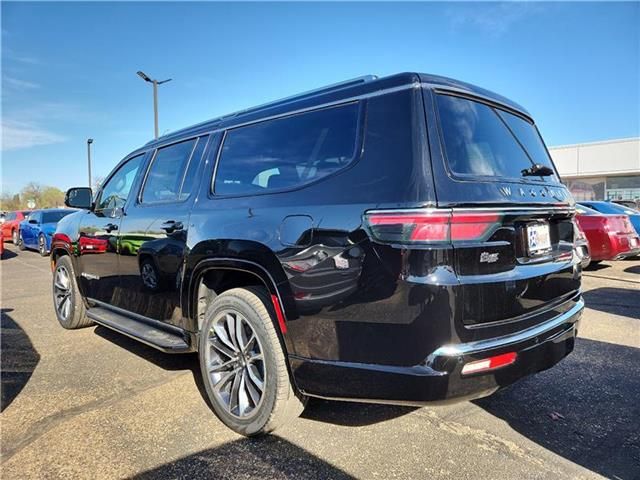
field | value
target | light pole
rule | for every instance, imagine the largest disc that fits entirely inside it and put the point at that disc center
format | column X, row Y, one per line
column 155, row 83
column 89, row 142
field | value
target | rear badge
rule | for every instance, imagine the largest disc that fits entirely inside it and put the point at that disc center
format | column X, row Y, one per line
column 486, row 257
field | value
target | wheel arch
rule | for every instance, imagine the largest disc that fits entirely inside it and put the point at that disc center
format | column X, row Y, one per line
column 232, row 272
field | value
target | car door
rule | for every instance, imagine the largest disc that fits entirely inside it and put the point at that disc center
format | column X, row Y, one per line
column 98, row 233
column 30, row 228
column 153, row 233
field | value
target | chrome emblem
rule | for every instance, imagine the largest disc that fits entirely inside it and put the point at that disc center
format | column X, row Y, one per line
column 532, row 192
column 522, row 192
column 486, row 257
column 506, row 191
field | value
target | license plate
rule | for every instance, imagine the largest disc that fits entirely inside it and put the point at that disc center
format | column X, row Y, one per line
column 538, row 238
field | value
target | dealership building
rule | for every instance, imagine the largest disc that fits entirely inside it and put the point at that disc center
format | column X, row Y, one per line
column 608, row 170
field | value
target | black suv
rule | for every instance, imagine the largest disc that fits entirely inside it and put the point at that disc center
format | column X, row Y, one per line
column 401, row 240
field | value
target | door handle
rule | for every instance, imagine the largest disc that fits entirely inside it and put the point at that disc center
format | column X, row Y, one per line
column 171, row 226
column 109, row 227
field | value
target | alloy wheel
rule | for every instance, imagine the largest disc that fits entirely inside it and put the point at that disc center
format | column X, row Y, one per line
column 235, row 364
column 149, row 277
column 14, row 237
column 42, row 245
column 62, row 292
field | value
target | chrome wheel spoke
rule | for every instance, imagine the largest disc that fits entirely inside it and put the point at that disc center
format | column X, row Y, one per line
column 221, row 348
column 241, row 334
column 221, row 334
column 254, row 375
column 253, row 392
column 224, row 380
column 221, row 367
column 243, row 397
column 234, row 397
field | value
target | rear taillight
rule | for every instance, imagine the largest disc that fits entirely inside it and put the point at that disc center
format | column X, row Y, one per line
column 431, row 226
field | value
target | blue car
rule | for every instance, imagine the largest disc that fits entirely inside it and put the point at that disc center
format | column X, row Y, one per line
column 615, row 209
column 36, row 230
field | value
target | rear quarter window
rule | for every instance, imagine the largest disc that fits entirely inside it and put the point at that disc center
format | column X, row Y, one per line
column 287, row 152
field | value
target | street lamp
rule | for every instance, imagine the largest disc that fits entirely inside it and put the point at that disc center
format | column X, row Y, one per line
column 89, row 142
column 143, row 76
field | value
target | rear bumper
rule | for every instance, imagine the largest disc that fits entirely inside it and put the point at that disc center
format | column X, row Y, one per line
column 438, row 379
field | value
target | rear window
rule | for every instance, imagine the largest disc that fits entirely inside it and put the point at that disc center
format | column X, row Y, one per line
column 54, row 217
column 287, row 152
column 481, row 140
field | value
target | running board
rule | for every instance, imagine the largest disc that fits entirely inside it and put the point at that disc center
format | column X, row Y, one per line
column 166, row 338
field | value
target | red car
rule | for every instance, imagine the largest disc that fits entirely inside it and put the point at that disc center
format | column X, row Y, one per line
column 611, row 237
column 9, row 229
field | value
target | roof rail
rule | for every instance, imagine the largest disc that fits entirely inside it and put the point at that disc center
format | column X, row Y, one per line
column 299, row 96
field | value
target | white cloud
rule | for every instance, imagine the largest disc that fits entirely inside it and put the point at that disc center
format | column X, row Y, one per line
column 17, row 83
column 494, row 19
column 19, row 135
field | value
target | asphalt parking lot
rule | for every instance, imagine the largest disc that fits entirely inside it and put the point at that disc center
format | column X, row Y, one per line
column 94, row 404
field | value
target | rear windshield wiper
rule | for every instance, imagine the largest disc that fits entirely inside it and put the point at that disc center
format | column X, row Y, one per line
column 537, row 169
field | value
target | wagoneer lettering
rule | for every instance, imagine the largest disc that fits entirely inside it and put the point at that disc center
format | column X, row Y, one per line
column 382, row 239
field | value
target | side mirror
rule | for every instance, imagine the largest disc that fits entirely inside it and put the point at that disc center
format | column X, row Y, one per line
column 79, row 197
column 33, row 221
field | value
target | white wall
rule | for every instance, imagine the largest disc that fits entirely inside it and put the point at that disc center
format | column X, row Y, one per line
column 598, row 158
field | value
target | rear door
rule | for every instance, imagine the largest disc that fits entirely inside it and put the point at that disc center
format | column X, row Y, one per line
column 153, row 233
column 490, row 160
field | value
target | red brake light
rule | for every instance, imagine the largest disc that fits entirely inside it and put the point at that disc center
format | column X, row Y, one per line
column 490, row 363
column 430, row 226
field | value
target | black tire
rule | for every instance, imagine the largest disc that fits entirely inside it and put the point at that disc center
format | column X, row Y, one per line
column 72, row 315
column 14, row 237
column 21, row 246
column 279, row 402
column 42, row 246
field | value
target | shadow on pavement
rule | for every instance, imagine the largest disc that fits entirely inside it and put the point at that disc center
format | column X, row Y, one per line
column 585, row 409
column 8, row 254
column 18, row 358
column 263, row 457
column 594, row 267
column 350, row 414
column 633, row 269
column 619, row 301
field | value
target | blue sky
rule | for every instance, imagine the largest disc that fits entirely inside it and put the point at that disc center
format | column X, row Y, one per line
column 68, row 69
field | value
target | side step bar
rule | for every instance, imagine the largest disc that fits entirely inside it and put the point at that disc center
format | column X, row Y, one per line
column 166, row 338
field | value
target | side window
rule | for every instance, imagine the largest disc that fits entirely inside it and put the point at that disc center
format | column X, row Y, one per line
column 10, row 216
column 115, row 192
column 287, row 152
column 166, row 173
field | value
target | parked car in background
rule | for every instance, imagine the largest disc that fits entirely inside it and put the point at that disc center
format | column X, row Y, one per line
column 36, row 230
column 616, row 209
column 582, row 245
column 611, row 237
column 1, row 247
column 396, row 240
column 11, row 223
column 635, row 204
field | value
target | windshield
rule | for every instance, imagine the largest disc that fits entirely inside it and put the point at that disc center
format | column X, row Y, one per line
column 54, row 217
column 485, row 141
